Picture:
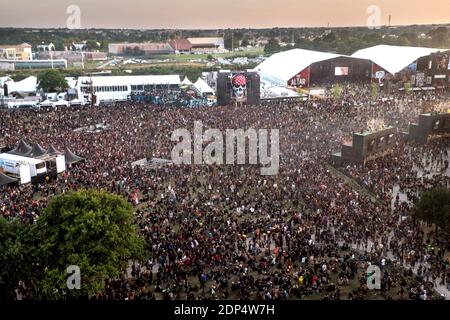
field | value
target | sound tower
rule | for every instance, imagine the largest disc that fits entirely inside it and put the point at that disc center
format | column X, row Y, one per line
column 253, row 88
column 223, row 88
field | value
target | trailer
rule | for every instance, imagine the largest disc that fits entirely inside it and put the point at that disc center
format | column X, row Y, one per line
column 24, row 167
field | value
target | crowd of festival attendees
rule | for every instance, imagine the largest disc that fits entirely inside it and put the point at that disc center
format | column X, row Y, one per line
column 168, row 97
column 229, row 232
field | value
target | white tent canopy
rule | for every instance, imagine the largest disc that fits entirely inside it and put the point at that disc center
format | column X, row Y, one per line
column 61, row 102
column 76, row 102
column 287, row 64
column 27, row 85
column 47, row 103
column 3, row 80
column 186, row 82
column 394, row 58
column 203, row 87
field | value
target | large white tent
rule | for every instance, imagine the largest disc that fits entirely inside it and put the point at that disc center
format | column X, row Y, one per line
column 394, row 58
column 186, row 82
column 203, row 87
column 27, row 85
column 283, row 66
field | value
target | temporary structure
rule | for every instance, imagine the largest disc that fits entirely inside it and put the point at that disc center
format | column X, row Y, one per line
column 22, row 149
column 37, row 151
column 5, row 180
column 202, row 87
column 71, row 157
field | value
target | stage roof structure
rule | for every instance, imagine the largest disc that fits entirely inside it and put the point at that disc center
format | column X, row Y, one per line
column 132, row 80
column 393, row 59
column 287, row 64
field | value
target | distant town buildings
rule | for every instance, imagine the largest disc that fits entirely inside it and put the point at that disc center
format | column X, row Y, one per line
column 16, row 52
column 45, row 47
column 179, row 46
column 12, row 65
column 206, row 45
column 146, row 48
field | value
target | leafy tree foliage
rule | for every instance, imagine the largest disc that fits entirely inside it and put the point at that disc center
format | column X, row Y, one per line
column 272, row 46
column 52, row 81
column 90, row 229
column 93, row 230
column 434, row 207
column 18, row 259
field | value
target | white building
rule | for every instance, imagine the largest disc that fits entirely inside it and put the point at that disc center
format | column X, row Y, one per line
column 118, row 88
column 46, row 47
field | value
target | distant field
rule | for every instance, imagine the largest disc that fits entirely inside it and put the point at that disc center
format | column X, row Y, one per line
column 186, row 57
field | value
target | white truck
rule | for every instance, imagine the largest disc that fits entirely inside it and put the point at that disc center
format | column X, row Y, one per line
column 24, row 167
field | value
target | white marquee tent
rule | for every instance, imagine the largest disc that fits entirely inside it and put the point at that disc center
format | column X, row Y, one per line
column 394, row 58
column 27, row 85
column 283, row 66
column 61, row 103
column 203, row 87
column 47, row 103
column 186, row 82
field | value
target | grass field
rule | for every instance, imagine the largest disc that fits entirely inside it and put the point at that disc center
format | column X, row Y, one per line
column 254, row 52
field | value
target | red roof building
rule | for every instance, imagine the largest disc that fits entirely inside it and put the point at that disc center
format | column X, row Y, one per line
column 181, row 45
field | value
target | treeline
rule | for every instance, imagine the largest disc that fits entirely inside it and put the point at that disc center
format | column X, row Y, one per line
column 347, row 41
column 339, row 40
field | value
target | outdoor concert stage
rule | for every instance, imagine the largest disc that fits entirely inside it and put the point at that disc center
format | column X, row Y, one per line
column 366, row 145
column 431, row 125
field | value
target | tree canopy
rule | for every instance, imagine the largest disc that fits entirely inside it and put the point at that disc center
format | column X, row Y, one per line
column 90, row 229
column 52, row 81
column 272, row 46
column 434, row 207
column 93, row 230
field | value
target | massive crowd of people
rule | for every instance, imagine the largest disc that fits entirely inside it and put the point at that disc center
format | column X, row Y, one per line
column 168, row 97
column 229, row 232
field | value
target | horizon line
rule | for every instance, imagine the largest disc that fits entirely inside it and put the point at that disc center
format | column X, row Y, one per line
column 236, row 28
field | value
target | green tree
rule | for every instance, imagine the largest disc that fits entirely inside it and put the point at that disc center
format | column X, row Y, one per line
column 434, row 207
column 92, row 45
column 18, row 259
column 52, row 80
column 93, row 230
column 245, row 42
column 232, row 40
column 440, row 37
column 272, row 46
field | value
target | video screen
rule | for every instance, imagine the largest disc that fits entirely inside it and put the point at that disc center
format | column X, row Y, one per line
column 341, row 71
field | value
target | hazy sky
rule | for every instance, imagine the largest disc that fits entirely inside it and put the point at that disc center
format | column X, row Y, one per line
column 205, row 14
